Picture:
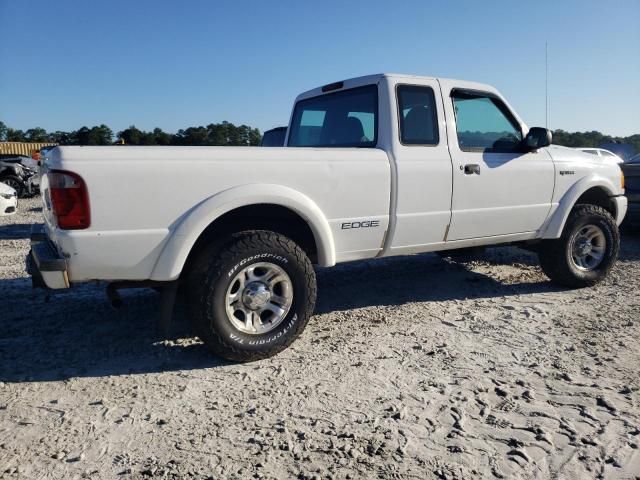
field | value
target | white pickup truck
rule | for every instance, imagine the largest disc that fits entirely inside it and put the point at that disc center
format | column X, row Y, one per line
column 373, row 166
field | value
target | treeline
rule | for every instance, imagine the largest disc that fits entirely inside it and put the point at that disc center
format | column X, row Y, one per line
column 224, row 133
column 592, row 139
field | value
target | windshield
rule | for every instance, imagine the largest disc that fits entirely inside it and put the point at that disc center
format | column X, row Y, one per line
column 343, row 119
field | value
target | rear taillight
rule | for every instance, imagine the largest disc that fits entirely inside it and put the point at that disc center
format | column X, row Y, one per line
column 69, row 200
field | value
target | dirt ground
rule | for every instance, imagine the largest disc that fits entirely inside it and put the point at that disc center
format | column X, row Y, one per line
column 412, row 367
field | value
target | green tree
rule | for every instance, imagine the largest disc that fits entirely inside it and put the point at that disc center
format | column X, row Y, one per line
column 62, row 138
column 100, row 135
column 193, row 136
column 3, row 132
column 15, row 135
column 36, row 134
column 161, row 138
column 131, row 136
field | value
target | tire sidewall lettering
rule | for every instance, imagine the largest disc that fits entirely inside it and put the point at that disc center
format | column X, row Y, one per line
column 260, row 256
column 248, row 341
column 265, row 341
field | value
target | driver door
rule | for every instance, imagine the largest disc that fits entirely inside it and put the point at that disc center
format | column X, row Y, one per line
column 498, row 187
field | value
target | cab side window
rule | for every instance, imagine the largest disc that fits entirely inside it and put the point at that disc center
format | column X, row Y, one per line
column 418, row 117
column 484, row 123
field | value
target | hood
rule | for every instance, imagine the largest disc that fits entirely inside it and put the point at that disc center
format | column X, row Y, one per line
column 559, row 152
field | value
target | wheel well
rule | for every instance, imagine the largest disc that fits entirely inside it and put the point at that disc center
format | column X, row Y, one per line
column 275, row 218
column 598, row 196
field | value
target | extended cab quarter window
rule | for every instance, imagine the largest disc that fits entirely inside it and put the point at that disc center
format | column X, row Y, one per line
column 347, row 118
column 484, row 123
column 418, row 117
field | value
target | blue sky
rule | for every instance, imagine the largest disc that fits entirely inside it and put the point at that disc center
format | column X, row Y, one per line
column 173, row 64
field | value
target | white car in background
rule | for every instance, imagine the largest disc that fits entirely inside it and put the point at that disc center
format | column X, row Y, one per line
column 8, row 200
column 606, row 155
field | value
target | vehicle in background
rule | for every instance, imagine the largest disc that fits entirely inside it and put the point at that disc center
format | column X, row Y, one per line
column 8, row 200
column 45, row 150
column 623, row 150
column 631, row 170
column 24, row 180
column 274, row 137
column 606, row 155
column 28, row 162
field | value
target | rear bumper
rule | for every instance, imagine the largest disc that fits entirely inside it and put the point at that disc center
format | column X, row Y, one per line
column 46, row 267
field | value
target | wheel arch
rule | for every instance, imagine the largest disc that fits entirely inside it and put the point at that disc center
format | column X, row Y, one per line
column 256, row 206
column 592, row 190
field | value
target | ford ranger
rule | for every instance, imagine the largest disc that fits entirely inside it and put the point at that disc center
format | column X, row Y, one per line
column 373, row 166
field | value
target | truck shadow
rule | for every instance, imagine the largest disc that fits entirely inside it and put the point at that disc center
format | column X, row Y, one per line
column 424, row 278
column 48, row 337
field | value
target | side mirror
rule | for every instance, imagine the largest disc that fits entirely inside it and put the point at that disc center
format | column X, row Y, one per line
column 537, row 138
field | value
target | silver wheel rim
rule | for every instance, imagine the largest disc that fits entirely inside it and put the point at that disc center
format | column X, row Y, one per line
column 588, row 247
column 259, row 298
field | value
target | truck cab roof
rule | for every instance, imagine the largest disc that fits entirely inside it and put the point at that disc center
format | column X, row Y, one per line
column 396, row 77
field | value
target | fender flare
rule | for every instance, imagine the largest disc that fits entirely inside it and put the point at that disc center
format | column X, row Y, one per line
column 187, row 229
column 555, row 223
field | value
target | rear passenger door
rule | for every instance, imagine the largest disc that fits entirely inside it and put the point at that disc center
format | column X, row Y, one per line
column 498, row 187
column 419, row 147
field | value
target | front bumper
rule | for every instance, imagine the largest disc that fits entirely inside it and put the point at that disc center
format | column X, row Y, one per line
column 8, row 206
column 46, row 267
column 621, row 208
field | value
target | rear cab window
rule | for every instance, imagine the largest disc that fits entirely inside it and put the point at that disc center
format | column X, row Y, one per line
column 347, row 118
column 418, row 116
column 484, row 123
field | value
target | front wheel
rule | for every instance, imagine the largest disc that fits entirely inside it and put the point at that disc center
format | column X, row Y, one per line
column 254, row 298
column 587, row 250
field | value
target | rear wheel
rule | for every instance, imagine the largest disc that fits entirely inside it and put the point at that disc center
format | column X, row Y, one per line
column 254, row 298
column 586, row 251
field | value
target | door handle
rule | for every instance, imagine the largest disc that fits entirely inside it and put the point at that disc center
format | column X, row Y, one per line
column 472, row 168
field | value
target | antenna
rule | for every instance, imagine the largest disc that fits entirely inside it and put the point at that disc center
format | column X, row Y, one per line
column 546, row 84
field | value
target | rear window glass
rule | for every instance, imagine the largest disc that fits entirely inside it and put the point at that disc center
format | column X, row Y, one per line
column 418, row 117
column 343, row 119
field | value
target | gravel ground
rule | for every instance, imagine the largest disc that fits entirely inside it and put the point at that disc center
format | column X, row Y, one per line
column 412, row 367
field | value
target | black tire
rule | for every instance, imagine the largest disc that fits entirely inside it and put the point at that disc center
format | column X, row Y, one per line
column 556, row 255
column 14, row 182
column 464, row 254
column 207, row 290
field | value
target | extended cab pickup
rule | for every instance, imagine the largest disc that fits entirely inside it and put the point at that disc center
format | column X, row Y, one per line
column 373, row 166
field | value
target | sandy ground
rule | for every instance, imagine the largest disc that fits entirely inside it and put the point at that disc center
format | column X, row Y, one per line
column 412, row 367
